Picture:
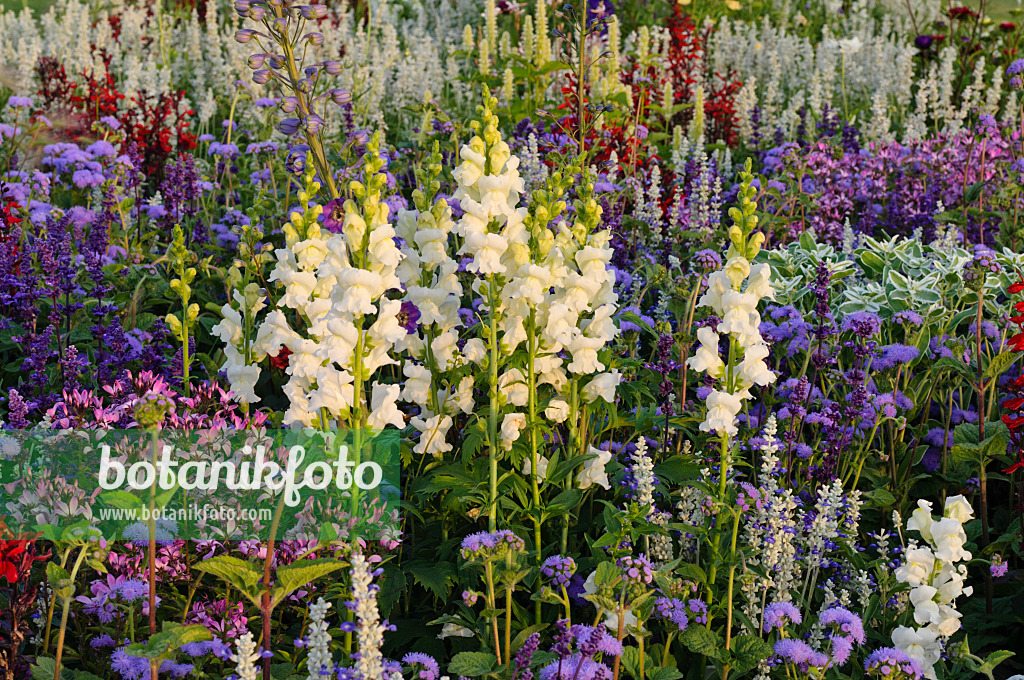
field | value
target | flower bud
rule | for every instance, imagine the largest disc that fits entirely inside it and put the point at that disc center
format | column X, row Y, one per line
column 296, row 163
column 289, row 126
column 256, row 61
column 242, row 7
column 312, row 123
column 289, row 104
column 261, row 77
column 244, row 35
column 314, row 38
column 313, row 11
column 332, row 67
column 305, row 86
column 281, row 25
column 341, row 97
column 257, row 13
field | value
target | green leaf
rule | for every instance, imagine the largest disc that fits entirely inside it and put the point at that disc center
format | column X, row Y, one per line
column 664, row 673
column 748, row 650
column 631, row 662
column 60, row 580
column 990, row 663
column 298, row 574
column 999, row 364
column 166, row 643
column 472, row 664
column 700, row 640
column 122, row 500
column 433, row 576
column 237, row 573
column 880, row 498
column 872, row 261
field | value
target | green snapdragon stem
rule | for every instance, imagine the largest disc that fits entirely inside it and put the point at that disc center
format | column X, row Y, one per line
column 492, row 424
column 534, row 457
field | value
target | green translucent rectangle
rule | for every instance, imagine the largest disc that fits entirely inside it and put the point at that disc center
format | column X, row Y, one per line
column 201, row 484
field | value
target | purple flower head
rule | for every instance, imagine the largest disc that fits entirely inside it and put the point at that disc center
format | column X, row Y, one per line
column 636, row 569
column 591, row 640
column 890, row 663
column 908, row 317
column 575, row 667
column 924, row 41
column 844, row 622
column 841, row 648
column 524, row 657
column 800, row 654
column 698, row 610
column 777, row 614
column 558, row 570
column 469, row 597
column 1015, row 68
column 708, row 260
column 672, row 609
column 484, row 546
column 19, row 102
column 863, row 324
column 429, row 670
column 998, row 568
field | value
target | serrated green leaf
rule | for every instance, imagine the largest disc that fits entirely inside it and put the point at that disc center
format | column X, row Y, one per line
column 472, row 664
column 295, row 575
column 747, row 652
column 700, row 640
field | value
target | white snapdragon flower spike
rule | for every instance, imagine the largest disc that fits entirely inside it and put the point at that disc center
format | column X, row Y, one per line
column 345, row 327
column 936, row 574
column 733, row 294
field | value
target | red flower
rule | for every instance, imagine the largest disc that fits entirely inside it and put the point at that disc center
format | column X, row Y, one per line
column 281, row 360
column 962, row 12
column 1008, row 26
column 12, row 562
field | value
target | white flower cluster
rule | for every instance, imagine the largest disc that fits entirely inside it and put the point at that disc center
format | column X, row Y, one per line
column 542, row 291
column 369, row 630
column 245, row 657
column 318, row 641
column 772, row 530
column 871, row 65
column 736, row 306
column 336, row 285
column 935, row 578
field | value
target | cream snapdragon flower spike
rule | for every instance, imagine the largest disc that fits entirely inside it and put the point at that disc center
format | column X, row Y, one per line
column 437, row 379
column 733, row 295
column 335, row 285
column 935, row 572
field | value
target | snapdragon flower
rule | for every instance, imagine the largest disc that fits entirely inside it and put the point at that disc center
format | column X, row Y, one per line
column 936, row 581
